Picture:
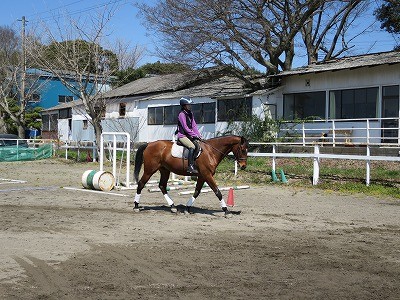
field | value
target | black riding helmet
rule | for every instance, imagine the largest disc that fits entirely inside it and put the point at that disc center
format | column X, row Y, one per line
column 185, row 101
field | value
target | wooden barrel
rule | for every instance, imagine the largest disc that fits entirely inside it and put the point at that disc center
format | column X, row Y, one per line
column 98, row 180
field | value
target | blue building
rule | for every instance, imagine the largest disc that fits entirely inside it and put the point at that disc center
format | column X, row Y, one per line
column 46, row 90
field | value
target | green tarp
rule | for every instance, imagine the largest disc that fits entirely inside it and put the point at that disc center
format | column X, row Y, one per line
column 20, row 153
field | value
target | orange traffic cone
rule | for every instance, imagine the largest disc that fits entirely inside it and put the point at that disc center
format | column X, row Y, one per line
column 230, row 201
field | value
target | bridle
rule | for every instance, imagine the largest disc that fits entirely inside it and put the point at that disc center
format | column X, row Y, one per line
column 237, row 155
column 237, row 158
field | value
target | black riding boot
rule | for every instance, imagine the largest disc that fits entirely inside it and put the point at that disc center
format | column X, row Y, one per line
column 191, row 168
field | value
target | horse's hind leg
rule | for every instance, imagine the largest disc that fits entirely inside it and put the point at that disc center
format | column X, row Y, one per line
column 199, row 185
column 163, row 187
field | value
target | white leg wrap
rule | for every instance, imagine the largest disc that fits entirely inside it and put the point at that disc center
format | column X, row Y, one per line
column 137, row 198
column 190, row 201
column 169, row 200
column 222, row 202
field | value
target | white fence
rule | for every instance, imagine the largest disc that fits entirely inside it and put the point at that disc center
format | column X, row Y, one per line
column 317, row 156
column 372, row 131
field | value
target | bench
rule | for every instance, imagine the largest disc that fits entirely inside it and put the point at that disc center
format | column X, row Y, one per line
column 342, row 133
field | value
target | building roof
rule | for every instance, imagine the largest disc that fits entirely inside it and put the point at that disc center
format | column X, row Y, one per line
column 223, row 87
column 157, row 84
column 351, row 62
column 64, row 105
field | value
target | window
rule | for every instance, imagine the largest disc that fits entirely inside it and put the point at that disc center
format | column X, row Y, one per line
column 304, row 105
column 100, row 111
column 171, row 114
column 168, row 115
column 122, row 109
column 49, row 122
column 85, row 124
column 53, row 122
column 34, row 98
column 155, row 115
column 353, row 103
column 64, row 99
column 204, row 113
column 234, row 109
column 45, row 122
column 65, row 113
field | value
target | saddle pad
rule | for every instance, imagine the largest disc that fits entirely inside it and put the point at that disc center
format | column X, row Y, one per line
column 181, row 151
column 177, row 151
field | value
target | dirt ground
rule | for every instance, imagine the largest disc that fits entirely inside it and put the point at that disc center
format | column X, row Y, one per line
column 281, row 243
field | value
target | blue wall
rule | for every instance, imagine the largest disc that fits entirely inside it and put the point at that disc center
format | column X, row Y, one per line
column 49, row 88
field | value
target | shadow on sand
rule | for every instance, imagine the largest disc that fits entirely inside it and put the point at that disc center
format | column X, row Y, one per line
column 182, row 209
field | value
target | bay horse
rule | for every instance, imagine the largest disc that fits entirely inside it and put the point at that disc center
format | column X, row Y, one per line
column 156, row 156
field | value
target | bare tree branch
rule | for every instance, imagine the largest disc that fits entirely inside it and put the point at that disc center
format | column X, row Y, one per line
column 75, row 52
column 248, row 33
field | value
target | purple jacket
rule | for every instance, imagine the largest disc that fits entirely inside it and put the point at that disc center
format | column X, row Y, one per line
column 187, row 125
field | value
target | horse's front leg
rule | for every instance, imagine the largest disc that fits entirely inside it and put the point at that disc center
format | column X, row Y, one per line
column 213, row 185
column 163, row 187
column 197, row 190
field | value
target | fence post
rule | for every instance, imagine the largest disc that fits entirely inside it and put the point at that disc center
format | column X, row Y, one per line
column 304, row 134
column 316, row 165
column 236, row 168
column 368, row 168
column 273, row 158
column 333, row 133
column 101, row 158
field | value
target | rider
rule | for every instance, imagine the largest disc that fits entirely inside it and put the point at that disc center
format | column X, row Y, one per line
column 188, row 131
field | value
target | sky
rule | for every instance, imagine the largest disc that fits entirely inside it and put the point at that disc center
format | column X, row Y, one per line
column 127, row 25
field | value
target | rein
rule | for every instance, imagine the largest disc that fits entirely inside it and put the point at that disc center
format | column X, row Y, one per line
column 223, row 154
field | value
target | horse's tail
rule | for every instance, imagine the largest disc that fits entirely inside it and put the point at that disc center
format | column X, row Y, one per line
column 139, row 161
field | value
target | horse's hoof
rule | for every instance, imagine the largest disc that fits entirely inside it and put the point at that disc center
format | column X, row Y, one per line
column 228, row 214
column 136, row 209
column 173, row 209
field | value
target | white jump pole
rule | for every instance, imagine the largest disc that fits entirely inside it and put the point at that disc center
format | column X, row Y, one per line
column 128, row 150
column 240, row 187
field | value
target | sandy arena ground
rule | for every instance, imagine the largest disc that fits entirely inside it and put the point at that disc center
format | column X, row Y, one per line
column 282, row 242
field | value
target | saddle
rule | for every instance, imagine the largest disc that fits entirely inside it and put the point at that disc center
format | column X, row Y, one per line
column 180, row 151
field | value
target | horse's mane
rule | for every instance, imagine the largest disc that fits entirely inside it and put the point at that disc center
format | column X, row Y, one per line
column 224, row 136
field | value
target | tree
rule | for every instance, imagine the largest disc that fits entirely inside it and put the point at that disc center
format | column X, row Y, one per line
column 328, row 26
column 86, row 57
column 245, row 33
column 16, row 89
column 130, row 74
column 389, row 15
column 76, row 53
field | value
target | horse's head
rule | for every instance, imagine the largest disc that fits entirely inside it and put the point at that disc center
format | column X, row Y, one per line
column 240, row 151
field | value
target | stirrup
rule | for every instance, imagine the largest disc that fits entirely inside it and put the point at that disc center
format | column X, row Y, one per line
column 192, row 170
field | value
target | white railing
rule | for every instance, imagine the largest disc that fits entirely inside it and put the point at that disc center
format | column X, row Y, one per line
column 341, row 132
column 317, row 156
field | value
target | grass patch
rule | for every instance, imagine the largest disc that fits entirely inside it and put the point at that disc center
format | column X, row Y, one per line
column 345, row 176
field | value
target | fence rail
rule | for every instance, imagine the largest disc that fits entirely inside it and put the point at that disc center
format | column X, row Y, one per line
column 371, row 131
column 317, row 156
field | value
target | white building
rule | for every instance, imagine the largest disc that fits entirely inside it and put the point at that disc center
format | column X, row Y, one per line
column 341, row 93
